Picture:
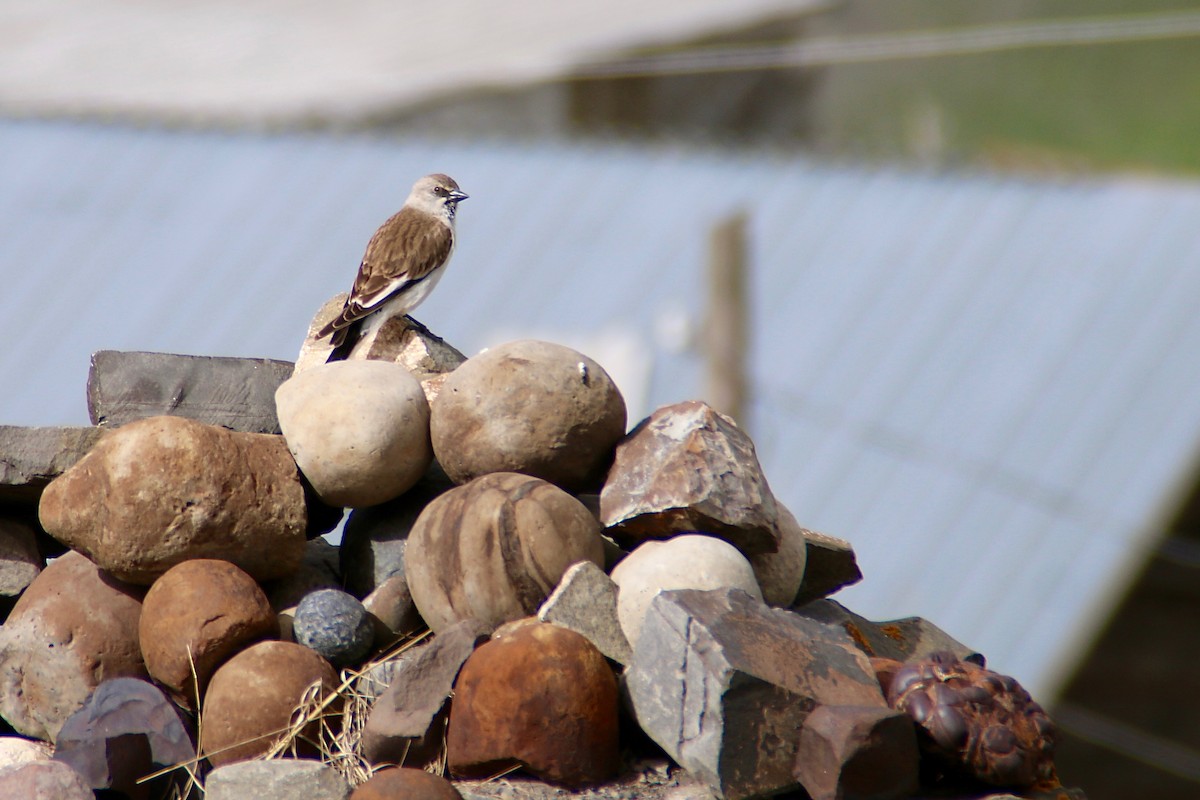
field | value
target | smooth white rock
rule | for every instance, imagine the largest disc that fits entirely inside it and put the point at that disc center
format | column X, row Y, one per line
column 689, row 561
column 359, row 430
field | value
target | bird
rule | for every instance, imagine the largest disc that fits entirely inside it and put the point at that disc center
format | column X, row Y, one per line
column 404, row 260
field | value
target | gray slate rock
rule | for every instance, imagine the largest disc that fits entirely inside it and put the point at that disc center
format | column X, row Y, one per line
column 32, row 457
column 276, row 779
column 126, row 726
column 374, row 539
column 318, row 570
column 724, row 684
column 335, row 624
column 408, row 718
column 585, row 601
column 20, row 561
column 830, row 565
column 238, row 393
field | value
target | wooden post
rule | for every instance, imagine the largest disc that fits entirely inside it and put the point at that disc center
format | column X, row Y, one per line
column 727, row 329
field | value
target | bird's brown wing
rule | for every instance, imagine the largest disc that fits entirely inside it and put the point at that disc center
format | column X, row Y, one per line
column 405, row 250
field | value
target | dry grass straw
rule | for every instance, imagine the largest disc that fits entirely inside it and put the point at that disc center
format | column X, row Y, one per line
column 339, row 725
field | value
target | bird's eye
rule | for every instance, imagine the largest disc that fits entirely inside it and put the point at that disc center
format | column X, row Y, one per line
column 439, row 191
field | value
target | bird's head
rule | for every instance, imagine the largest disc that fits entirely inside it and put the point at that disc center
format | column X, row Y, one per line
column 437, row 194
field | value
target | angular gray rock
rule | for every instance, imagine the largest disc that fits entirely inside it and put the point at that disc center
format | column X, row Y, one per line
column 32, row 457
column 20, row 561
column 899, row 639
column 407, row 721
column 689, row 468
column 830, row 565
column 374, row 538
column 318, row 570
column 237, row 393
column 125, row 728
column 585, row 601
column 724, row 684
column 276, row 779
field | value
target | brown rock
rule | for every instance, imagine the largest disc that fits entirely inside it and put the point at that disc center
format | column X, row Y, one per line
column 196, row 615
column 20, row 561
column 857, row 753
column 543, row 697
column 408, row 720
column 72, row 628
column 166, row 489
column 393, row 611
column 409, row 784
column 532, row 407
column 237, row 393
column 252, row 696
column 976, row 722
column 780, row 574
column 495, row 548
column 689, row 468
column 830, row 565
column 32, row 457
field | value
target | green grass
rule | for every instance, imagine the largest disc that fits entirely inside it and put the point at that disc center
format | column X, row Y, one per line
column 1129, row 106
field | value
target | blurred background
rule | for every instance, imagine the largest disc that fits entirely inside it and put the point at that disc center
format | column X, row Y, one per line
column 941, row 259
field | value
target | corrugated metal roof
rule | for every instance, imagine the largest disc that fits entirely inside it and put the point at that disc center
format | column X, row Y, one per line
column 986, row 384
column 285, row 62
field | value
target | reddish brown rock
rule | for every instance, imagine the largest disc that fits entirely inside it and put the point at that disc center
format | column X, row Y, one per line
column 532, row 407
column 409, row 784
column 543, row 697
column 72, row 628
column 976, row 722
column 252, row 696
column 393, row 611
column 857, row 753
column 689, row 468
column 164, row 490
column 900, row 639
column 195, row 616
column 407, row 721
column 493, row 549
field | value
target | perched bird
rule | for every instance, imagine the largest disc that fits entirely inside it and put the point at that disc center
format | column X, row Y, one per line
column 404, row 261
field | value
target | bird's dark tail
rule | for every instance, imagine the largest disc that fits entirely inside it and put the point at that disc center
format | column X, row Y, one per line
column 353, row 332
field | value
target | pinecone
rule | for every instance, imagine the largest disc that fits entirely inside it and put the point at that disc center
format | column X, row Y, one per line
column 976, row 721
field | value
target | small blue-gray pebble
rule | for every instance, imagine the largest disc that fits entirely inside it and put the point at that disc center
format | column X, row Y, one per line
column 334, row 624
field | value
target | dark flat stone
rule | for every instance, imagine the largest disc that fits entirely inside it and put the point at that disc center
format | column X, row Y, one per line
column 32, row 457
column 238, row 393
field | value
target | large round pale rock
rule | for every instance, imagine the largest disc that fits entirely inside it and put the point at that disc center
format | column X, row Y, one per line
column 541, row 696
column 73, row 628
column 531, row 407
column 253, row 695
column 160, row 491
column 684, row 562
column 194, row 617
column 495, row 548
column 359, row 430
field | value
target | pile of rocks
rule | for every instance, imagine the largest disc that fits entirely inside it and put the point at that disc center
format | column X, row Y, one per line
column 522, row 584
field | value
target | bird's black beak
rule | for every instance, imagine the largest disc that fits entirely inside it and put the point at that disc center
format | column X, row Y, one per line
column 456, row 196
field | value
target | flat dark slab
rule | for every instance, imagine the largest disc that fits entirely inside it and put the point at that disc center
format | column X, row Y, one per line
column 32, row 457
column 238, row 393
